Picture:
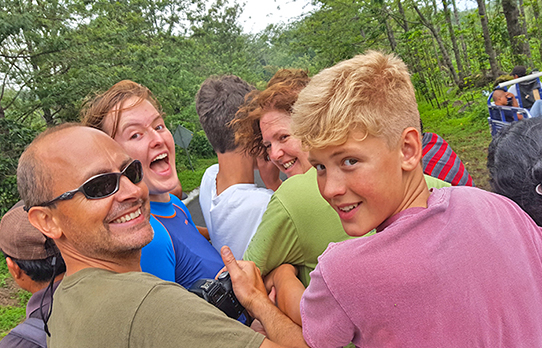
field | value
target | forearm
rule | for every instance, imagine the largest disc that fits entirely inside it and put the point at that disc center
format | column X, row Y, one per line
column 289, row 291
column 279, row 328
column 204, row 232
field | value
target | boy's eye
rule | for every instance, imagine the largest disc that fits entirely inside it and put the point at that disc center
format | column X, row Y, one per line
column 159, row 127
column 319, row 167
column 350, row 162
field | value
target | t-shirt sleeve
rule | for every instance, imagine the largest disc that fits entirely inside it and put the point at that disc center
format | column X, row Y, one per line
column 276, row 241
column 325, row 323
column 170, row 316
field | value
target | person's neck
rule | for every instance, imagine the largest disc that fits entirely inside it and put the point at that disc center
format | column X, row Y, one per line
column 75, row 261
column 416, row 191
column 234, row 168
column 42, row 285
column 161, row 197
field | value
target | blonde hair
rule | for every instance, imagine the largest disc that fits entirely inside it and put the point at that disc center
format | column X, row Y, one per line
column 97, row 108
column 370, row 93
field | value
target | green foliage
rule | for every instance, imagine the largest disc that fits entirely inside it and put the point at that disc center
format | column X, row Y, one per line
column 13, row 139
column 10, row 317
column 200, row 146
column 192, row 179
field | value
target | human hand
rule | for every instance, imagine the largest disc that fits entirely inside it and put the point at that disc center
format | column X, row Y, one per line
column 269, row 172
column 247, row 282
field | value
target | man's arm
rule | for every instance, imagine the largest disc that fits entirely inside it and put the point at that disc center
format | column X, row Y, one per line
column 250, row 291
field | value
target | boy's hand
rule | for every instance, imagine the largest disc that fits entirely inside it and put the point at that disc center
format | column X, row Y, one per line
column 247, row 282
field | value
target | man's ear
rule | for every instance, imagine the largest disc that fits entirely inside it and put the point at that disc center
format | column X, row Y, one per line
column 13, row 268
column 42, row 218
column 411, row 148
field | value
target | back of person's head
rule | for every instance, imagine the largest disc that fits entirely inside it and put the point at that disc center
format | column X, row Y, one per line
column 498, row 95
column 112, row 101
column 28, row 247
column 217, row 101
column 519, row 70
column 514, row 162
column 280, row 95
column 370, row 93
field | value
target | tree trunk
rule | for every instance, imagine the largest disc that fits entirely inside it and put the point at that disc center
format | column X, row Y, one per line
column 445, row 55
column 404, row 25
column 487, row 39
column 389, row 30
column 520, row 48
column 523, row 24
column 461, row 38
column 453, row 39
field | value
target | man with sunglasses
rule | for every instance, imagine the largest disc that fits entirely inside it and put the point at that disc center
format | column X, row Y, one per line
column 82, row 190
column 130, row 115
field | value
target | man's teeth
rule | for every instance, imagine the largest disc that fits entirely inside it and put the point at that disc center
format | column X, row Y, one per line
column 348, row 208
column 289, row 164
column 128, row 217
column 159, row 157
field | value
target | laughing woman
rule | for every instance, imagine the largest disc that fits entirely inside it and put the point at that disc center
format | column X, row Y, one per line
column 130, row 115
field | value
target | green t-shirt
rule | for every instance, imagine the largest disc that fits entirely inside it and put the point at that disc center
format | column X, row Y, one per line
column 99, row 308
column 298, row 225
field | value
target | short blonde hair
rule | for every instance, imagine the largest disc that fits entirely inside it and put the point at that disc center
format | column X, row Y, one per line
column 370, row 93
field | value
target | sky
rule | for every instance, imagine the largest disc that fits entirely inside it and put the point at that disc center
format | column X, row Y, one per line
column 258, row 14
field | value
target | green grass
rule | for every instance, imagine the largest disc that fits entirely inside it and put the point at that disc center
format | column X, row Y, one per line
column 467, row 132
column 11, row 316
column 192, row 179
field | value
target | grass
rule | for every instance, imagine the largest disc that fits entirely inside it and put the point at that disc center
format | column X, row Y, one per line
column 192, row 179
column 11, row 316
column 466, row 131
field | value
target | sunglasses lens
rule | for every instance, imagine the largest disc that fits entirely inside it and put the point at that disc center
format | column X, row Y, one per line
column 134, row 172
column 101, row 186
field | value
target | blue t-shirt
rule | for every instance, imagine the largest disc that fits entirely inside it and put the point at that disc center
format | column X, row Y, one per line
column 195, row 257
column 158, row 257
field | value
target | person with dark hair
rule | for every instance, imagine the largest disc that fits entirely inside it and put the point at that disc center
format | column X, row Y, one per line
column 97, row 211
column 514, row 162
column 231, row 203
column 29, row 258
column 130, row 115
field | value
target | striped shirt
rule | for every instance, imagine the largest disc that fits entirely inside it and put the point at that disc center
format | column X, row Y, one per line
column 440, row 161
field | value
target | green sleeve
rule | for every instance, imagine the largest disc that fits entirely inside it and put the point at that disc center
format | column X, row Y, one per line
column 170, row 316
column 435, row 183
column 276, row 240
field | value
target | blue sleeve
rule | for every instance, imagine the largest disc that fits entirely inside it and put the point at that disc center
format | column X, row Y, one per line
column 158, row 257
column 181, row 205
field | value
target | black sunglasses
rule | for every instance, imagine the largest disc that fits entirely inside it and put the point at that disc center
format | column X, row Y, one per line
column 101, row 185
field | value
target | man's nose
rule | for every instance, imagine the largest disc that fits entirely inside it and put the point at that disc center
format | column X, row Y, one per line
column 128, row 190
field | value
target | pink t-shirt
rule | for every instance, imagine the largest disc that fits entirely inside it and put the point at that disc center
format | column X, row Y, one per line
column 465, row 272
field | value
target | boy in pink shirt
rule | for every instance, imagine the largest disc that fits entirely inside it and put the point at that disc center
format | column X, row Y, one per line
column 454, row 267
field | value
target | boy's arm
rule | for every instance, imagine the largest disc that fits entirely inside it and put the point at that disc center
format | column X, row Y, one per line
column 250, row 290
column 289, row 290
column 204, row 232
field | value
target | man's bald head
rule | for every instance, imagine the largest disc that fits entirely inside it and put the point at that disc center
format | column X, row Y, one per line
column 33, row 177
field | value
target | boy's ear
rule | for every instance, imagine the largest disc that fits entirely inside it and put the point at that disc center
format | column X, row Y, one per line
column 411, row 148
column 43, row 219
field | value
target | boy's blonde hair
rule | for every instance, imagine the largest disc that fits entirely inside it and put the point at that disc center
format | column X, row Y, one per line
column 370, row 93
